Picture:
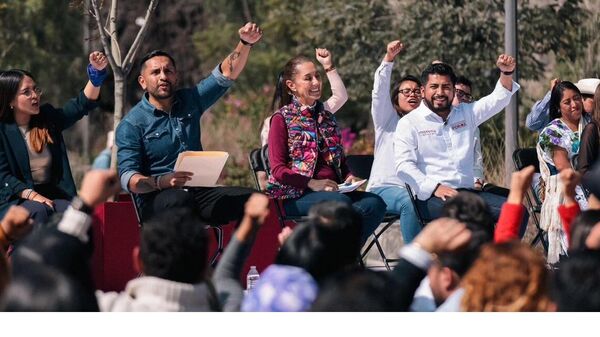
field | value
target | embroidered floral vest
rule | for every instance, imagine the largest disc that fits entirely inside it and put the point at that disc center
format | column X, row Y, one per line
column 306, row 138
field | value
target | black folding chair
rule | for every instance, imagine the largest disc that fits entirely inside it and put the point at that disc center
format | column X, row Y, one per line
column 259, row 162
column 217, row 230
column 523, row 158
column 360, row 166
column 423, row 221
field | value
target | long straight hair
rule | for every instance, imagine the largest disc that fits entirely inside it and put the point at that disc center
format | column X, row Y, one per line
column 10, row 81
column 282, row 95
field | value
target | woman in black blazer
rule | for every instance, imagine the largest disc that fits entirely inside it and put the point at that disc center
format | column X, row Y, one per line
column 34, row 168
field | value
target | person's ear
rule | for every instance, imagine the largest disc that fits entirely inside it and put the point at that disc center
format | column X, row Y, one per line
column 450, row 279
column 142, row 82
column 291, row 86
column 138, row 265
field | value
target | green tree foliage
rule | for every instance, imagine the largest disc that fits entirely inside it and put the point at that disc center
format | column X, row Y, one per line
column 44, row 37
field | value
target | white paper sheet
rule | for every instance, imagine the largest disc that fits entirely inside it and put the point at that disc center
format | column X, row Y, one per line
column 206, row 166
column 343, row 188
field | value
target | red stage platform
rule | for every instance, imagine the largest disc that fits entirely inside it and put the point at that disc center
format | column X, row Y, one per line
column 116, row 232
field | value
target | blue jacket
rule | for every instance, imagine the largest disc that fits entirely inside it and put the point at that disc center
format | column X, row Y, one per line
column 15, row 172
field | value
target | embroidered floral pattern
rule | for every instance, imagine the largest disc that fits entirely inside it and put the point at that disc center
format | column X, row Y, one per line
column 557, row 133
column 307, row 138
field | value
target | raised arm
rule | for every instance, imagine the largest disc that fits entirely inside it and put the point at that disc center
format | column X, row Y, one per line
column 490, row 105
column 235, row 62
column 339, row 95
column 507, row 228
column 97, row 74
column 538, row 117
column 382, row 109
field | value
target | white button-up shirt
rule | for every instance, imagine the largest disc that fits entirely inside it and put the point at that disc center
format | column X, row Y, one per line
column 428, row 151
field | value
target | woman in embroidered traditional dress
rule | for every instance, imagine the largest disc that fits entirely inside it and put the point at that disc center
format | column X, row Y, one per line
column 305, row 150
column 34, row 168
column 557, row 148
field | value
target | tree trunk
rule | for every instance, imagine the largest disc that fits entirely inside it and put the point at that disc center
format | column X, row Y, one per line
column 120, row 94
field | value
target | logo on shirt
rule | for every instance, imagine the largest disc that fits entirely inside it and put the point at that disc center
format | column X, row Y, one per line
column 459, row 125
column 427, row 133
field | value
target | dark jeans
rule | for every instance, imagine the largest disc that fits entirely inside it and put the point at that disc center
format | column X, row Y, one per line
column 370, row 206
column 432, row 208
column 40, row 213
column 214, row 205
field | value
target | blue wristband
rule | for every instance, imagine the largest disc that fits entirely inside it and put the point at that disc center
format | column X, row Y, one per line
column 96, row 76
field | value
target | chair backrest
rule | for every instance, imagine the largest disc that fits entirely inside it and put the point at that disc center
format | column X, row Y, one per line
column 525, row 157
column 256, row 165
column 360, row 165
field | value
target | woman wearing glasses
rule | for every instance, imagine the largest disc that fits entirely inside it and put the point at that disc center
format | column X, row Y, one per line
column 387, row 110
column 34, row 168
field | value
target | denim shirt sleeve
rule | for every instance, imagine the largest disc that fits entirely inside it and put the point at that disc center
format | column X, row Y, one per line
column 212, row 88
column 537, row 119
column 129, row 153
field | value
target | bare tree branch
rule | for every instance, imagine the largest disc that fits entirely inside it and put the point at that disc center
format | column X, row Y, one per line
column 104, row 39
column 135, row 46
column 112, row 29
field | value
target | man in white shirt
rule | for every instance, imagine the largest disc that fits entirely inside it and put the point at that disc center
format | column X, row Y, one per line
column 434, row 144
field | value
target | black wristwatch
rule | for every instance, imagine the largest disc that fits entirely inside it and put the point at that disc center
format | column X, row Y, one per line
column 78, row 205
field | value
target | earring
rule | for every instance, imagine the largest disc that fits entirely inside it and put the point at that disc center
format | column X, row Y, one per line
column 11, row 107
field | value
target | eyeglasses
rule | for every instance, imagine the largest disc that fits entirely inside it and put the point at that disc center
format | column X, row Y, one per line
column 406, row 92
column 29, row 93
column 463, row 95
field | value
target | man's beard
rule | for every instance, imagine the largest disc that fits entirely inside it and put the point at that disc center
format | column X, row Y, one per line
column 441, row 109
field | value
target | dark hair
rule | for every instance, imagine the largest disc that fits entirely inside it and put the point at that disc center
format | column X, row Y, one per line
column 581, row 228
column 472, row 210
column 358, row 290
column 575, row 283
column 396, row 87
column 464, row 81
column 174, row 246
column 282, row 96
column 328, row 242
column 43, row 288
column 438, row 69
column 10, row 81
column 155, row 53
column 556, row 97
column 53, row 248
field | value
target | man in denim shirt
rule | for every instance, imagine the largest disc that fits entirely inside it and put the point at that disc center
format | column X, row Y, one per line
column 166, row 122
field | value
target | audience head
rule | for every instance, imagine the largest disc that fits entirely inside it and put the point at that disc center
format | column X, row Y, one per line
column 299, row 78
column 53, row 248
column 588, row 88
column 173, row 246
column 328, row 242
column 282, row 289
column 581, row 228
column 438, row 81
column 566, row 102
column 445, row 273
column 359, row 290
column 158, row 75
column 463, row 91
column 575, row 282
column 406, row 95
column 40, row 287
column 509, row 276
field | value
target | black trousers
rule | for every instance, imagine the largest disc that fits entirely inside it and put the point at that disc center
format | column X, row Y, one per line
column 214, row 205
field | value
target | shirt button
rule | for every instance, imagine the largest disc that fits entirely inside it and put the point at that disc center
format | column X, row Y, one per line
column 189, row 115
column 156, row 134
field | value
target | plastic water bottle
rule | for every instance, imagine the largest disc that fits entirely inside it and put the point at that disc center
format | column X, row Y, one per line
column 252, row 278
